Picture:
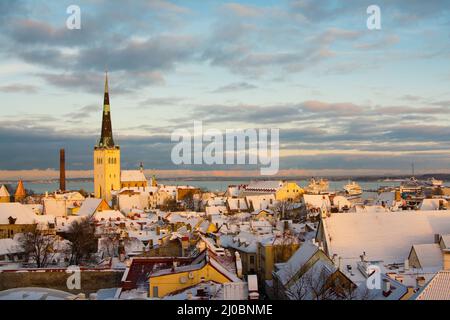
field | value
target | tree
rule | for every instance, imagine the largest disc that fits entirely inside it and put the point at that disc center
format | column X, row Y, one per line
column 321, row 284
column 283, row 209
column 38, row 247
column 189, row 202
column 81, row 234
column 169, row 204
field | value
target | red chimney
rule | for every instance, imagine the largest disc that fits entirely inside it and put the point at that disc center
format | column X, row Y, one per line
column 62, row 170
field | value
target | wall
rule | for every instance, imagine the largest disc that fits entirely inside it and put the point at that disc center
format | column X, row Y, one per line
column 91, row 281
column 9, row 230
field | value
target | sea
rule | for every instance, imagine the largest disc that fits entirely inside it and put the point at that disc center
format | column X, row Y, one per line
column 41, row 187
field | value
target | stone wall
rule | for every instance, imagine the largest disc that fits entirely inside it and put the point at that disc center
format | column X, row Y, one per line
column 91, row 280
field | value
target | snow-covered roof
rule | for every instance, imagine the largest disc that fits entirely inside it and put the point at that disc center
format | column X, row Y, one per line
column 4, row 192
column 264, row 186
column 429, row 255
column 432, row 204
column 340, row 202
column 108, row 214
column 315, row 276
column 22, row 214
column 445, row 238
column 10, row 246
column 263, row 201
column 317, row 200
column 63, row 223
column 237, row 203
column 244, row 241
column 215, row 210
column 386, row 236
column 89, row 206
column 438, row 288
column 386, row 197
column 296, row 261
column 132, row 176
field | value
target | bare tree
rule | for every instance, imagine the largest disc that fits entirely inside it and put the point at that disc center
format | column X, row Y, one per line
column 169, row 204
column 320, row 283
column 81, row 234
column 38, row 247
column 283, row 209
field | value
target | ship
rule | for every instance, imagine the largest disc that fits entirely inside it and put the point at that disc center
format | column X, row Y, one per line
column 434, row 182
column 317, row 186
column 353, row 189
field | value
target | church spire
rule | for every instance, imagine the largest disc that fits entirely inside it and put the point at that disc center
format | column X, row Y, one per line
column 106, row 139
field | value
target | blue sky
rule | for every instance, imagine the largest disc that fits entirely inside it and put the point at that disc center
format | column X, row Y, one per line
column 346, row 99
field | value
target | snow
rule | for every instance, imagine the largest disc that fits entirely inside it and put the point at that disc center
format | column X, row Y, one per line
column 387, row 197
column 258, row 202
column 219, row 267
column 386, row 236
column 216, row 210
column 340, row 202
column 132, row 176
column 264, row 186
column 4, row 192
column 299, row 258
column 438, row 288
column 109, row 215
column 89, row 206
column 445, row 238
column 10, row 246
column 429, row 255
column 23, row 214
column 237, row 204
column 317, row 201
column 432, row 204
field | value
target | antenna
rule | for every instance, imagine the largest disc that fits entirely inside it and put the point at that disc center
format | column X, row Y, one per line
column 412, row 168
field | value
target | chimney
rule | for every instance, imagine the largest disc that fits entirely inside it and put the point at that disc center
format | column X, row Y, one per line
column 286, row 225
column 420, row 281
column 446, row 259
column 386, row 287
column 437, row 237
column 62, row 170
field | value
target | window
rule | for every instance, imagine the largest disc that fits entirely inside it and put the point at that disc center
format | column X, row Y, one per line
column 155, row 292
column 252, row 259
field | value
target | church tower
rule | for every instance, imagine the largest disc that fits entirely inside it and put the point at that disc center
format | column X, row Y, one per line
column 106, row 156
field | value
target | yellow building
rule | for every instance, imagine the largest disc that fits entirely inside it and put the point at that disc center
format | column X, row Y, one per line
column 133, row 179
column 16, row 218
column 4, row 195
column 106, row 156
column 282, row 190
column 289, row 191
column 275, row 250
column 169, row 281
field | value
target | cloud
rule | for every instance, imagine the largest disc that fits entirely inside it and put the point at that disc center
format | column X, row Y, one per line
column 243, row 10
column 334, row 108
column 237, row 86
column 18, row 88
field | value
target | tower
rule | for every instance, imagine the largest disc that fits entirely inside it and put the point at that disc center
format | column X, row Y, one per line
column 20, row 193
column 62, row 170
column 106, row 155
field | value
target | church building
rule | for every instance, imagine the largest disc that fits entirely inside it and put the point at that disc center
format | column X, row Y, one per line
column 106, row 156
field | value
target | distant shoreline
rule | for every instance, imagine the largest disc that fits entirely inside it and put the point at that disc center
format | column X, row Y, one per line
column 379, row 178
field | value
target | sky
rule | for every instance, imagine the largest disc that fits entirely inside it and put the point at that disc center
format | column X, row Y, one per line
column 346, row 99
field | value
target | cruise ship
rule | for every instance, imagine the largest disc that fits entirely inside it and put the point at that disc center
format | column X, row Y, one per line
column 353, row 189
column 317, row 186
